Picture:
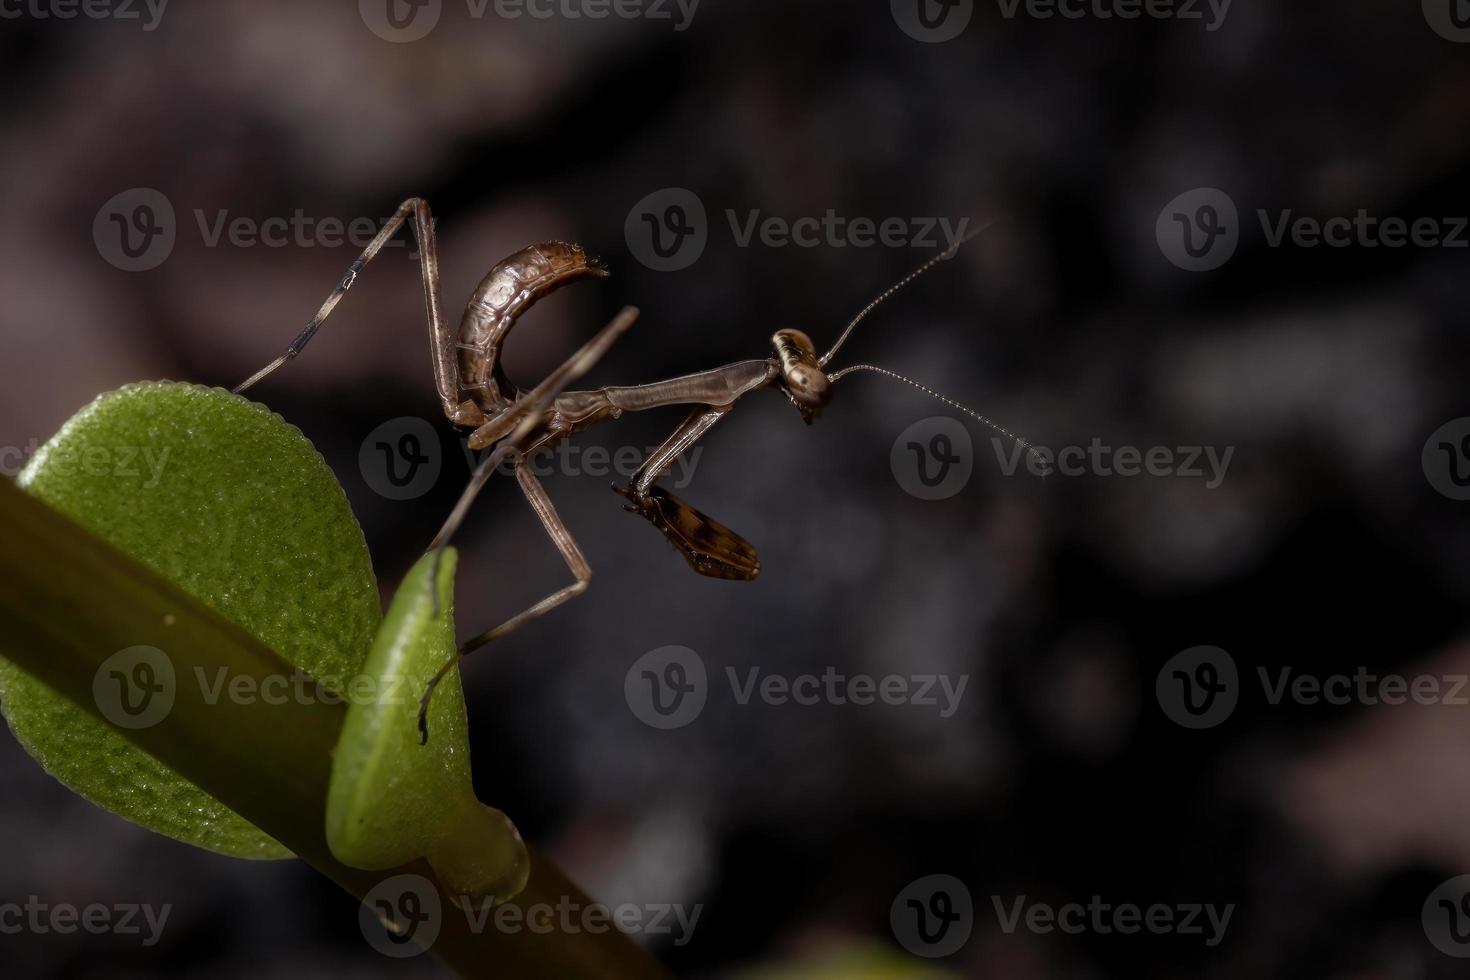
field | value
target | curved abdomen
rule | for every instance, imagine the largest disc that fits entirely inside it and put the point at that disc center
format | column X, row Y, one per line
column 506, row 292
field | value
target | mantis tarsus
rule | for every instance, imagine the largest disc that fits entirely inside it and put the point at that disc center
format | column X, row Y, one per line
column 475, row 394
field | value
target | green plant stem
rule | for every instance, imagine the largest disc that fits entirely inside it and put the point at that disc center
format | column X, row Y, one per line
column 71, row 600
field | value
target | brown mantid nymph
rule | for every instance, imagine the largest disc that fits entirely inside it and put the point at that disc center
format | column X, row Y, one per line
column 475, row 394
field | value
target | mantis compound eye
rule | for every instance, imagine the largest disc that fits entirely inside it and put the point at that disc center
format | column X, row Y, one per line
column 802, row 378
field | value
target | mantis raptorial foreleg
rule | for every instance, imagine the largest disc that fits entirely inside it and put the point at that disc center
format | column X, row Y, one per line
column 710, row 547
column 690, row 431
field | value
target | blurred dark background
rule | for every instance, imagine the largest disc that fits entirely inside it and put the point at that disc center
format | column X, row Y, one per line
column 1326, row 548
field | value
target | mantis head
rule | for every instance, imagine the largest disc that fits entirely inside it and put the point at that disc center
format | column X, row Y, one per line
column 802, row 379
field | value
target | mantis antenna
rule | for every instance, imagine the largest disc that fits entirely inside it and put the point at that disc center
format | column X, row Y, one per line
column 935, row 260
column 1020, row 440
column 931, row 263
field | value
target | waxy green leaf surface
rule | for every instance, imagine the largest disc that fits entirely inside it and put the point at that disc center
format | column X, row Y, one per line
column 234, row 505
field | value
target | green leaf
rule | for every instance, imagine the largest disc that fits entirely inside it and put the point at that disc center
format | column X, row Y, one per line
column 225, row 499
column 70, row 595
column 393, row 799
column 854, row 960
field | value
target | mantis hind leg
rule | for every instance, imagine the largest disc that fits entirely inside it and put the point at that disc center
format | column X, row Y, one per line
column 556, row 529
column 571, row 554
column 414, row 211
column 525, row 416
